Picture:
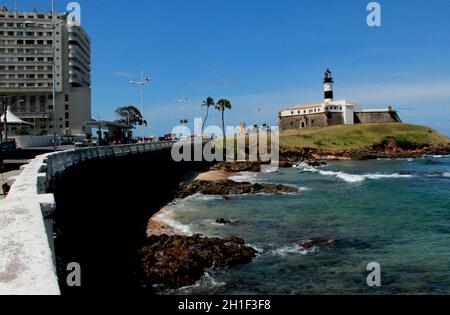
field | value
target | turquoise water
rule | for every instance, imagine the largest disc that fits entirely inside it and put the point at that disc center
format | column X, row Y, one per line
column 394, row 212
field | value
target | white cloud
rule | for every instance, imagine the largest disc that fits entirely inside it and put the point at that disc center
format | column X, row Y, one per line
column 399, row 92
column 121, row 74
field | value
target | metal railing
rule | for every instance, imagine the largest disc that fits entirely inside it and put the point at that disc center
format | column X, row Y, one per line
column 59, row 161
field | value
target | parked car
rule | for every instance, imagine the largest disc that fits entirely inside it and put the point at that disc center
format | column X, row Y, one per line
column 170, row 137
column 81, row 144
column 10, row 145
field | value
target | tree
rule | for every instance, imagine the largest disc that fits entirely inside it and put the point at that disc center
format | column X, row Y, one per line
column 221, row 106
column 207, row 103
column 130, row 115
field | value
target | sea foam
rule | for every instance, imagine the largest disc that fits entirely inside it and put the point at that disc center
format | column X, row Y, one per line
column 354, row 178
column 292, row 250
column 207, row 285
column 244, row 177
column 167, row 216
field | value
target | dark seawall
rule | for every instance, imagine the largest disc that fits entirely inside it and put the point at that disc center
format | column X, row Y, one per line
column 103, row 207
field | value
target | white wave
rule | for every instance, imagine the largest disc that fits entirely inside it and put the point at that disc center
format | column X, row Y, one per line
column 207, row 285
column 259, row 250
column 355, row 178
column 383, row 176
column 167, row 216
column 445, row 174
column 301, row 165
column 293, row 250
column 351, row 178
column 245, row 177
column 215, row 223
column 436, row 156
column 269, row 169
column 202, row 197
column 305, row 165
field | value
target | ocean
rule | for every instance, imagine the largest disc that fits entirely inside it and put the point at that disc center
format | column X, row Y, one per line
column 393, row 212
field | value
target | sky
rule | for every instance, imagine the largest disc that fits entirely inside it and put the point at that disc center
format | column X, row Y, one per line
column 268, row 54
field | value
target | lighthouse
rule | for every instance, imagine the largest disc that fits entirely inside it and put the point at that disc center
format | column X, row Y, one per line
column 328, row 87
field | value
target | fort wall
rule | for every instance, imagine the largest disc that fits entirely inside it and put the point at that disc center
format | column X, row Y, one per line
column 332, row 119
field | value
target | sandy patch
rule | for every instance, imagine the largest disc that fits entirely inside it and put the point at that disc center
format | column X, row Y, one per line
column 213, row 176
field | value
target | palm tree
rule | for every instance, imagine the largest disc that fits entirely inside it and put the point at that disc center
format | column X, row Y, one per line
column 221, row 106
column 207, row 103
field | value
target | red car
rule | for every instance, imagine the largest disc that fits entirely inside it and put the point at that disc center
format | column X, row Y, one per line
column 170, row 137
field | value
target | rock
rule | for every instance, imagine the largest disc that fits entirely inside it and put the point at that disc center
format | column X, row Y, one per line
column 316, row 163
column 287, row 164
column 389, row 148
column 236, row 167
column 229, row 187
column 317, row 241
column 225, row 221
column 171, row 262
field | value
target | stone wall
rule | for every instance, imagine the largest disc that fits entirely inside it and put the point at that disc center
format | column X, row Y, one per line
column 303, row 121
column 332, row 119
column 376, row 117
column 335, row 119
column 27, row 264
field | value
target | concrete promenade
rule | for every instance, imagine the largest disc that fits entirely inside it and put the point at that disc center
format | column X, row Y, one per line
column 26, row 243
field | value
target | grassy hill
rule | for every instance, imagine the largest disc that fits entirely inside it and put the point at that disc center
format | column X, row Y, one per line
column 361, row 136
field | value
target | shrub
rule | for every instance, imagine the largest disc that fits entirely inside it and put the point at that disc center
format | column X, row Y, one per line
column 407, row 144
column 22, row 132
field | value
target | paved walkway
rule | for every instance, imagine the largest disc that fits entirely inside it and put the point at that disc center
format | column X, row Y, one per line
column 6, row 177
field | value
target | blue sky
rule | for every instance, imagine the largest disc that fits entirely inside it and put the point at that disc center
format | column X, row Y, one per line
column 269, row 54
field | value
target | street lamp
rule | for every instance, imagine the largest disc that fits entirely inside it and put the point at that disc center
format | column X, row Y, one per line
column 144, row 80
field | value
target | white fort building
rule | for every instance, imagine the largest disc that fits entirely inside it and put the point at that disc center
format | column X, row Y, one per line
column 331, row 112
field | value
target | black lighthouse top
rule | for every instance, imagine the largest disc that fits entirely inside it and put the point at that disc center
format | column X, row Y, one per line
column 328, row 77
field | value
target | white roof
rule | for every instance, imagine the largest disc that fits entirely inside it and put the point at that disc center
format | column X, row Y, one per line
column 12, row 119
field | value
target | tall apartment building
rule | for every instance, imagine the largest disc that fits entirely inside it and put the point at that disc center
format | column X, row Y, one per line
column 26, row 73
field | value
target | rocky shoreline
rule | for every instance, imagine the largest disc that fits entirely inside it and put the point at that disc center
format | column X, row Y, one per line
column 229, row 187
column 388, row 149
column 171, row 259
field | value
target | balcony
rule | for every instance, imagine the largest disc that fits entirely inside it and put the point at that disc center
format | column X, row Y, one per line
column 26, row 89
column 33, row 115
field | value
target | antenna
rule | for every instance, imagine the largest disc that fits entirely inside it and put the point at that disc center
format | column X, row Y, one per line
column 34, row 7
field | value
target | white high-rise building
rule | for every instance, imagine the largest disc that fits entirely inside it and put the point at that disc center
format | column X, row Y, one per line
column 26, row 73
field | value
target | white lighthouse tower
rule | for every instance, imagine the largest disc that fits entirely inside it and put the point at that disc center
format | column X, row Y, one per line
column 328, row 87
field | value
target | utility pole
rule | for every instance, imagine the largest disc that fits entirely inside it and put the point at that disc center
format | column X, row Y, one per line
column 55, row 145
column 144, row 80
